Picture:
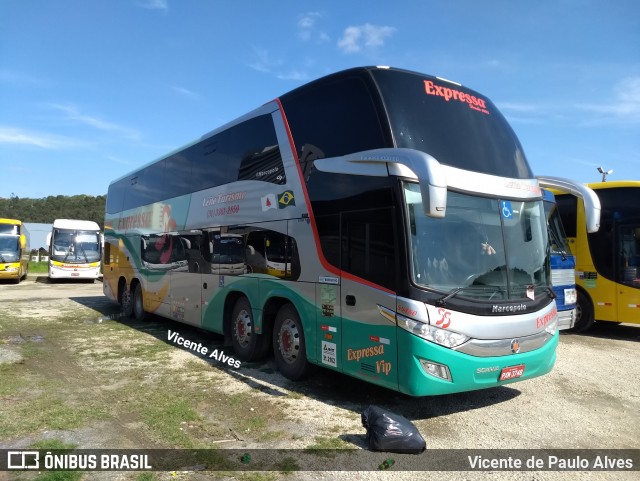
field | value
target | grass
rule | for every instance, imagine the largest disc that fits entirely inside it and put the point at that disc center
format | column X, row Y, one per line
column 83, row 372
column 38, row 267
column 51, row 444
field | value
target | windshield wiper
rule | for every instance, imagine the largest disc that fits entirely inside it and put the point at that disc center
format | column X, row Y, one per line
column 443, row 300
column 68, row 252
column 555, row 239
column 2, row 259
column 84, row 253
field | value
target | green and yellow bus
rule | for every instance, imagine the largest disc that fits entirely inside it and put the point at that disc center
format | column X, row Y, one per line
column 377, row 222
column 14, row 250
column 607, row 261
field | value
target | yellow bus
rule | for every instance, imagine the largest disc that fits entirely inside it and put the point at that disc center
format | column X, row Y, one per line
column 607, row 261
column 14, row 250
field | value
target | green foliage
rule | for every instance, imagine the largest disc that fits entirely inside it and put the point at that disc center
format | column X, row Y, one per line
column 48, row 209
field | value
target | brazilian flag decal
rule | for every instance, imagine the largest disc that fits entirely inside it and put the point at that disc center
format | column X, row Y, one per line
column 286, row 199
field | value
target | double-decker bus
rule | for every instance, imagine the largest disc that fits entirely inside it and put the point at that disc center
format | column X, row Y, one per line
column 563, row 262
column 75, row 250
column 391, row 226
column 607, row 261
column 14, row 250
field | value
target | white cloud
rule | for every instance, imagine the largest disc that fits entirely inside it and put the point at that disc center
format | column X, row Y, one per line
column 75, row 115
column 264, row 61
column 307, row 27
column 625, row 104
column 154, row 4
column 17, row 136
column 185, row 92
column 294, row 75
column 19, row 78
column 367, row 36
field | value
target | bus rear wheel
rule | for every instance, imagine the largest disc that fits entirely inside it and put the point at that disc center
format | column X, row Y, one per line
column 138, row 304
column 124, row 299
column 289, row 346
column 248, row 345
column 584, row 314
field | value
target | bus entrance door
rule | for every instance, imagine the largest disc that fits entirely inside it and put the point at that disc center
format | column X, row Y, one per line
column 368, row 306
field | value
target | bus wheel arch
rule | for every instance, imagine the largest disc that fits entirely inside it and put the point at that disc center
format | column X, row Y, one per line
column 289, row 345
column 584, row 312
column 240, row 328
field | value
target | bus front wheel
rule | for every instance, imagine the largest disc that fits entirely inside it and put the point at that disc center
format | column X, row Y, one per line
column 584, row 314
column 289, row 347
column 248, row 345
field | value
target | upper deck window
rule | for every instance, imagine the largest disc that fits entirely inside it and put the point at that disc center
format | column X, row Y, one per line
column 457, row 126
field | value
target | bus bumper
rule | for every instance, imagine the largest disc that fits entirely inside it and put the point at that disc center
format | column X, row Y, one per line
column 566, row 319
column 467, row 372
column 70, row 271
column 10, row 271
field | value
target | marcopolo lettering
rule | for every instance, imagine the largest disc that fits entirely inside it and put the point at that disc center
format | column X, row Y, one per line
column 509, row 308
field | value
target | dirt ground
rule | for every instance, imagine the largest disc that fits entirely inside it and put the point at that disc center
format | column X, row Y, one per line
column 73, row 370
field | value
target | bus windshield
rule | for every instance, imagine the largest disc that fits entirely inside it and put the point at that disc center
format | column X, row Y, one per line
column 75, row 246
column 484, row 248
column 457, row 126
column 557, row 236
column 9, row 248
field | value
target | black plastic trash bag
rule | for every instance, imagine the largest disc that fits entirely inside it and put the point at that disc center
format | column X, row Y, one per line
column 391, row 432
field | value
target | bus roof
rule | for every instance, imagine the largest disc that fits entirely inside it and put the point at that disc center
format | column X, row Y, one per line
column 75, row 224
column 614, row 184
column 11, row 221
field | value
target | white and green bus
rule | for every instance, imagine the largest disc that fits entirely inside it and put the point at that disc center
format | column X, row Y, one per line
column 377, row 222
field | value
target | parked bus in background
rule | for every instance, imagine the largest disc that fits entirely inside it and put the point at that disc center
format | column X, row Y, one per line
column 14, row 250
column 607, row 261
column 75, row 249
column 391, row 226
column 563, row 262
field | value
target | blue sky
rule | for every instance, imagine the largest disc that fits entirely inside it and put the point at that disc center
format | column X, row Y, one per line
column 91, row 89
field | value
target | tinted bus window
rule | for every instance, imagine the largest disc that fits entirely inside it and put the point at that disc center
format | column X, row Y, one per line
column 618, row 205
column 567, row 205
column 115, row 196
column 455, row 125
column 355, row 224
column 337, row 117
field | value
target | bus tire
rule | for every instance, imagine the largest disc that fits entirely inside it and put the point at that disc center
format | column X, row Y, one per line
column 138, row 304
column 584, row 313
column 289, row 348
column 126, row 305
column 248, row 345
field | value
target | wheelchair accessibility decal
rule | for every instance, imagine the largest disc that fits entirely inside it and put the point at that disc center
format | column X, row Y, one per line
column 505, row 209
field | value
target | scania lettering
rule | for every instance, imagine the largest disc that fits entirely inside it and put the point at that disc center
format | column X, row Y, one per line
column 14, row 250
column 75, row 249
column 366, row 237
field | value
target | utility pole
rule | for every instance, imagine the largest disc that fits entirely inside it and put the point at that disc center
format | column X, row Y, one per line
column 604, row 173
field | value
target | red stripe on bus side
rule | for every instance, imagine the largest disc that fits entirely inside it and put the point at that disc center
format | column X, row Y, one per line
column 325, row 263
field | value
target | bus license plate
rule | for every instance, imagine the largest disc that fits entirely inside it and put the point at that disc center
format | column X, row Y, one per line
column 511, row 372
column 74, row 274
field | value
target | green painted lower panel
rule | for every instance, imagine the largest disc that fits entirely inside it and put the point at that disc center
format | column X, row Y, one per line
column 463, row 367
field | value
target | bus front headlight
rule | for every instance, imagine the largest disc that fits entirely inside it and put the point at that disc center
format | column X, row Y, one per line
column 570, row 296
column 552, row 327
column 444, row 337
